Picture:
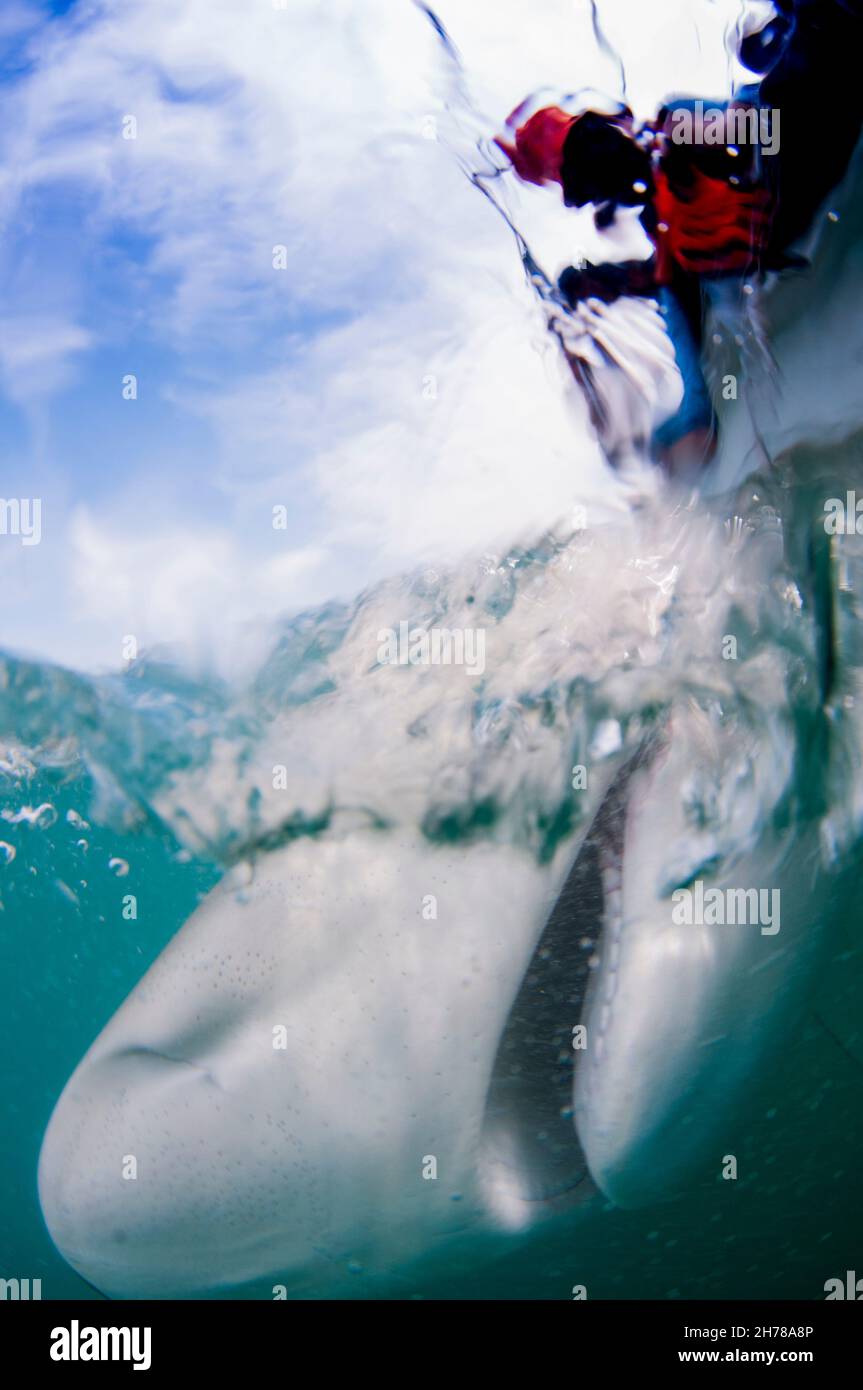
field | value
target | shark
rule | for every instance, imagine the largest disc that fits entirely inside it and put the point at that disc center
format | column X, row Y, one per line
column 366, row 1045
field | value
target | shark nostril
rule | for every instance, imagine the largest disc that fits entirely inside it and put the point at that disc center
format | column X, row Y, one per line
column 146, row 1054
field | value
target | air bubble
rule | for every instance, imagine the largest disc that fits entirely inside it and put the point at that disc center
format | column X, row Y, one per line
column 40, row 816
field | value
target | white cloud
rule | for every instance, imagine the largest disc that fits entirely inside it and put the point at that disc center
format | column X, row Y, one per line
column 35, row 353
column 303, row 127
column 192, row 587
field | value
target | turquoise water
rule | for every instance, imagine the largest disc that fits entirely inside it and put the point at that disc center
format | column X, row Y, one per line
column 69, row 960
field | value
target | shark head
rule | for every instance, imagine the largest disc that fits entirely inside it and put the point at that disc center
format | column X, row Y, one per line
column 364, row 1057
column 296, row 1089
column 384, row 1042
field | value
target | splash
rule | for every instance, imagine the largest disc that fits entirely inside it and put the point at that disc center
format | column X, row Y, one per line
column 675, row 225
column 589, row 638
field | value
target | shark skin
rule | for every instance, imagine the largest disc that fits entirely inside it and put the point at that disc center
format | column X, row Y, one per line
column 304, row 1161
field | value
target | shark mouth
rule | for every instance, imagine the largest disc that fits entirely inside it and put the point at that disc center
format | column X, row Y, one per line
column 530, row 1149
column 637, row 1023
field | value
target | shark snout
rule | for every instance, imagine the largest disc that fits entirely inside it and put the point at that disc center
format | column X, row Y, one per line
column 296, row 1088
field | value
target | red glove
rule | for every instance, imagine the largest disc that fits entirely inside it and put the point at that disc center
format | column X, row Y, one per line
column 537, row 150
column 710, row 226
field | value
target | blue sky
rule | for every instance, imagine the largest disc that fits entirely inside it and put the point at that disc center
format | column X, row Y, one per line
column 307, row 386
